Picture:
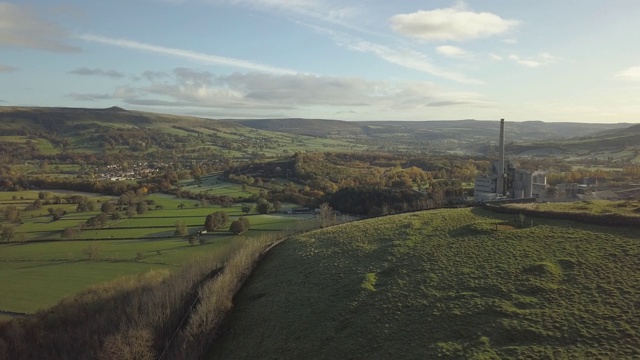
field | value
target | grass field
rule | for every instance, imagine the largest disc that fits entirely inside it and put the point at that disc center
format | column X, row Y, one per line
column 36, row 274
column 212, row 185
column 443, row 284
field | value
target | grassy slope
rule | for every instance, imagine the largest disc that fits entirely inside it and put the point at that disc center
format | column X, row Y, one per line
column 441, row 284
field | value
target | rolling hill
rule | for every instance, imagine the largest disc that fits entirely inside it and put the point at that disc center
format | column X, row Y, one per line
column 114, row 129
column 442, row 284
column 434, row 129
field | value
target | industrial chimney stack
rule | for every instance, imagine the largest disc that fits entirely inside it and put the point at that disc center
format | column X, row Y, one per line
column 500, row 186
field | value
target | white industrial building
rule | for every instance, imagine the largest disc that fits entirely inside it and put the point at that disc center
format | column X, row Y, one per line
column 505, row 180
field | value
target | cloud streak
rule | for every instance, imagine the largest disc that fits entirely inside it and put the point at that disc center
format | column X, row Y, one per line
column 7, row 68
column 406, row 58
column 318, row 10
column 187, row 88
column 97, row 72
column 187, row 54
column 535, row 62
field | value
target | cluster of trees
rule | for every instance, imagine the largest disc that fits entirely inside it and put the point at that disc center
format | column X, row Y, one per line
column 239, row 226
column 374, row 201
column 216, row 220
column 7, row 232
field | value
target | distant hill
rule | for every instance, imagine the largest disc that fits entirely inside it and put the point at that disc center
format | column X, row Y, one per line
column 317, row 127
column 618, row 144
column 70, row 119
column 442, row 284
column 50, row 132
column 433, row 130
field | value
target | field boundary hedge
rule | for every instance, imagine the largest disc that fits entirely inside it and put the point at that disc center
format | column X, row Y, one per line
column 599, row 219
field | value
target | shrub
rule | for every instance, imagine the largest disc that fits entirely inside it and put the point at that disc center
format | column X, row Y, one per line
column 92, row 252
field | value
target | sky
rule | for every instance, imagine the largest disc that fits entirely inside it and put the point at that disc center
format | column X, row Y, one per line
column 550, row 60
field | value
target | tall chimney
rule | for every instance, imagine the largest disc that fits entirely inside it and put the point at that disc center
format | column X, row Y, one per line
column 500, row 186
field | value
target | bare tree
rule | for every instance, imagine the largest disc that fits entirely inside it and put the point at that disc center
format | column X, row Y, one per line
column 91, row 251
column 327, row 215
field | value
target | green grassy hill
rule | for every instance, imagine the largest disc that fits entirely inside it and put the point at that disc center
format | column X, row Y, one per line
column 442, row 284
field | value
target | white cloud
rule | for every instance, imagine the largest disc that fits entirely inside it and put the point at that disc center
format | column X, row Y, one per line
column 96, row 72
column 22, row 28
column 455, row 23
column 495, row 57
column 452, row 51
column 632, row 73
column 187, row 54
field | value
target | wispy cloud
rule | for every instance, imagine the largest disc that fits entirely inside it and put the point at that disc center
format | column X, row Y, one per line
column 456, row 23
column 452, row 51
column 97, row 72
column 20, row 27
column 188, row 88
column 410, row 59
column 534, row 62
column 319, row 10
column 495, row 57
column 91, row 96
column 405, row 57
column 187, row 54
column 632, row 73
column 7, row 68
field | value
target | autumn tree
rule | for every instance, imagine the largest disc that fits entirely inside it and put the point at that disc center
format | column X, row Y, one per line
column 327, row 215
column 216, row 220
column 239, row 226
column 181, row 229
column 7, row 232
column 263, row 207
column 12, row 214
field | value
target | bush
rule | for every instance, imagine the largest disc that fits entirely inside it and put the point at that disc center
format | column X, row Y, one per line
column 181, row 229
column 92, row 252
column 69, row 232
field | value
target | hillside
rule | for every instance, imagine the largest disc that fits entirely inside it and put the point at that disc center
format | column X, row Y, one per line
column 68, row 119
column 304, row 126
column 620, row 144
column 51, row 131
column 442, row 284
column 433, row 130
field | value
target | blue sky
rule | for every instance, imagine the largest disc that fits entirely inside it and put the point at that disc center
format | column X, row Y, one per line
column 548, row 60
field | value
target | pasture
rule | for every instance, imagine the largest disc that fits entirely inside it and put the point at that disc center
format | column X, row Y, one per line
column 443, row 284
column 40, row 267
